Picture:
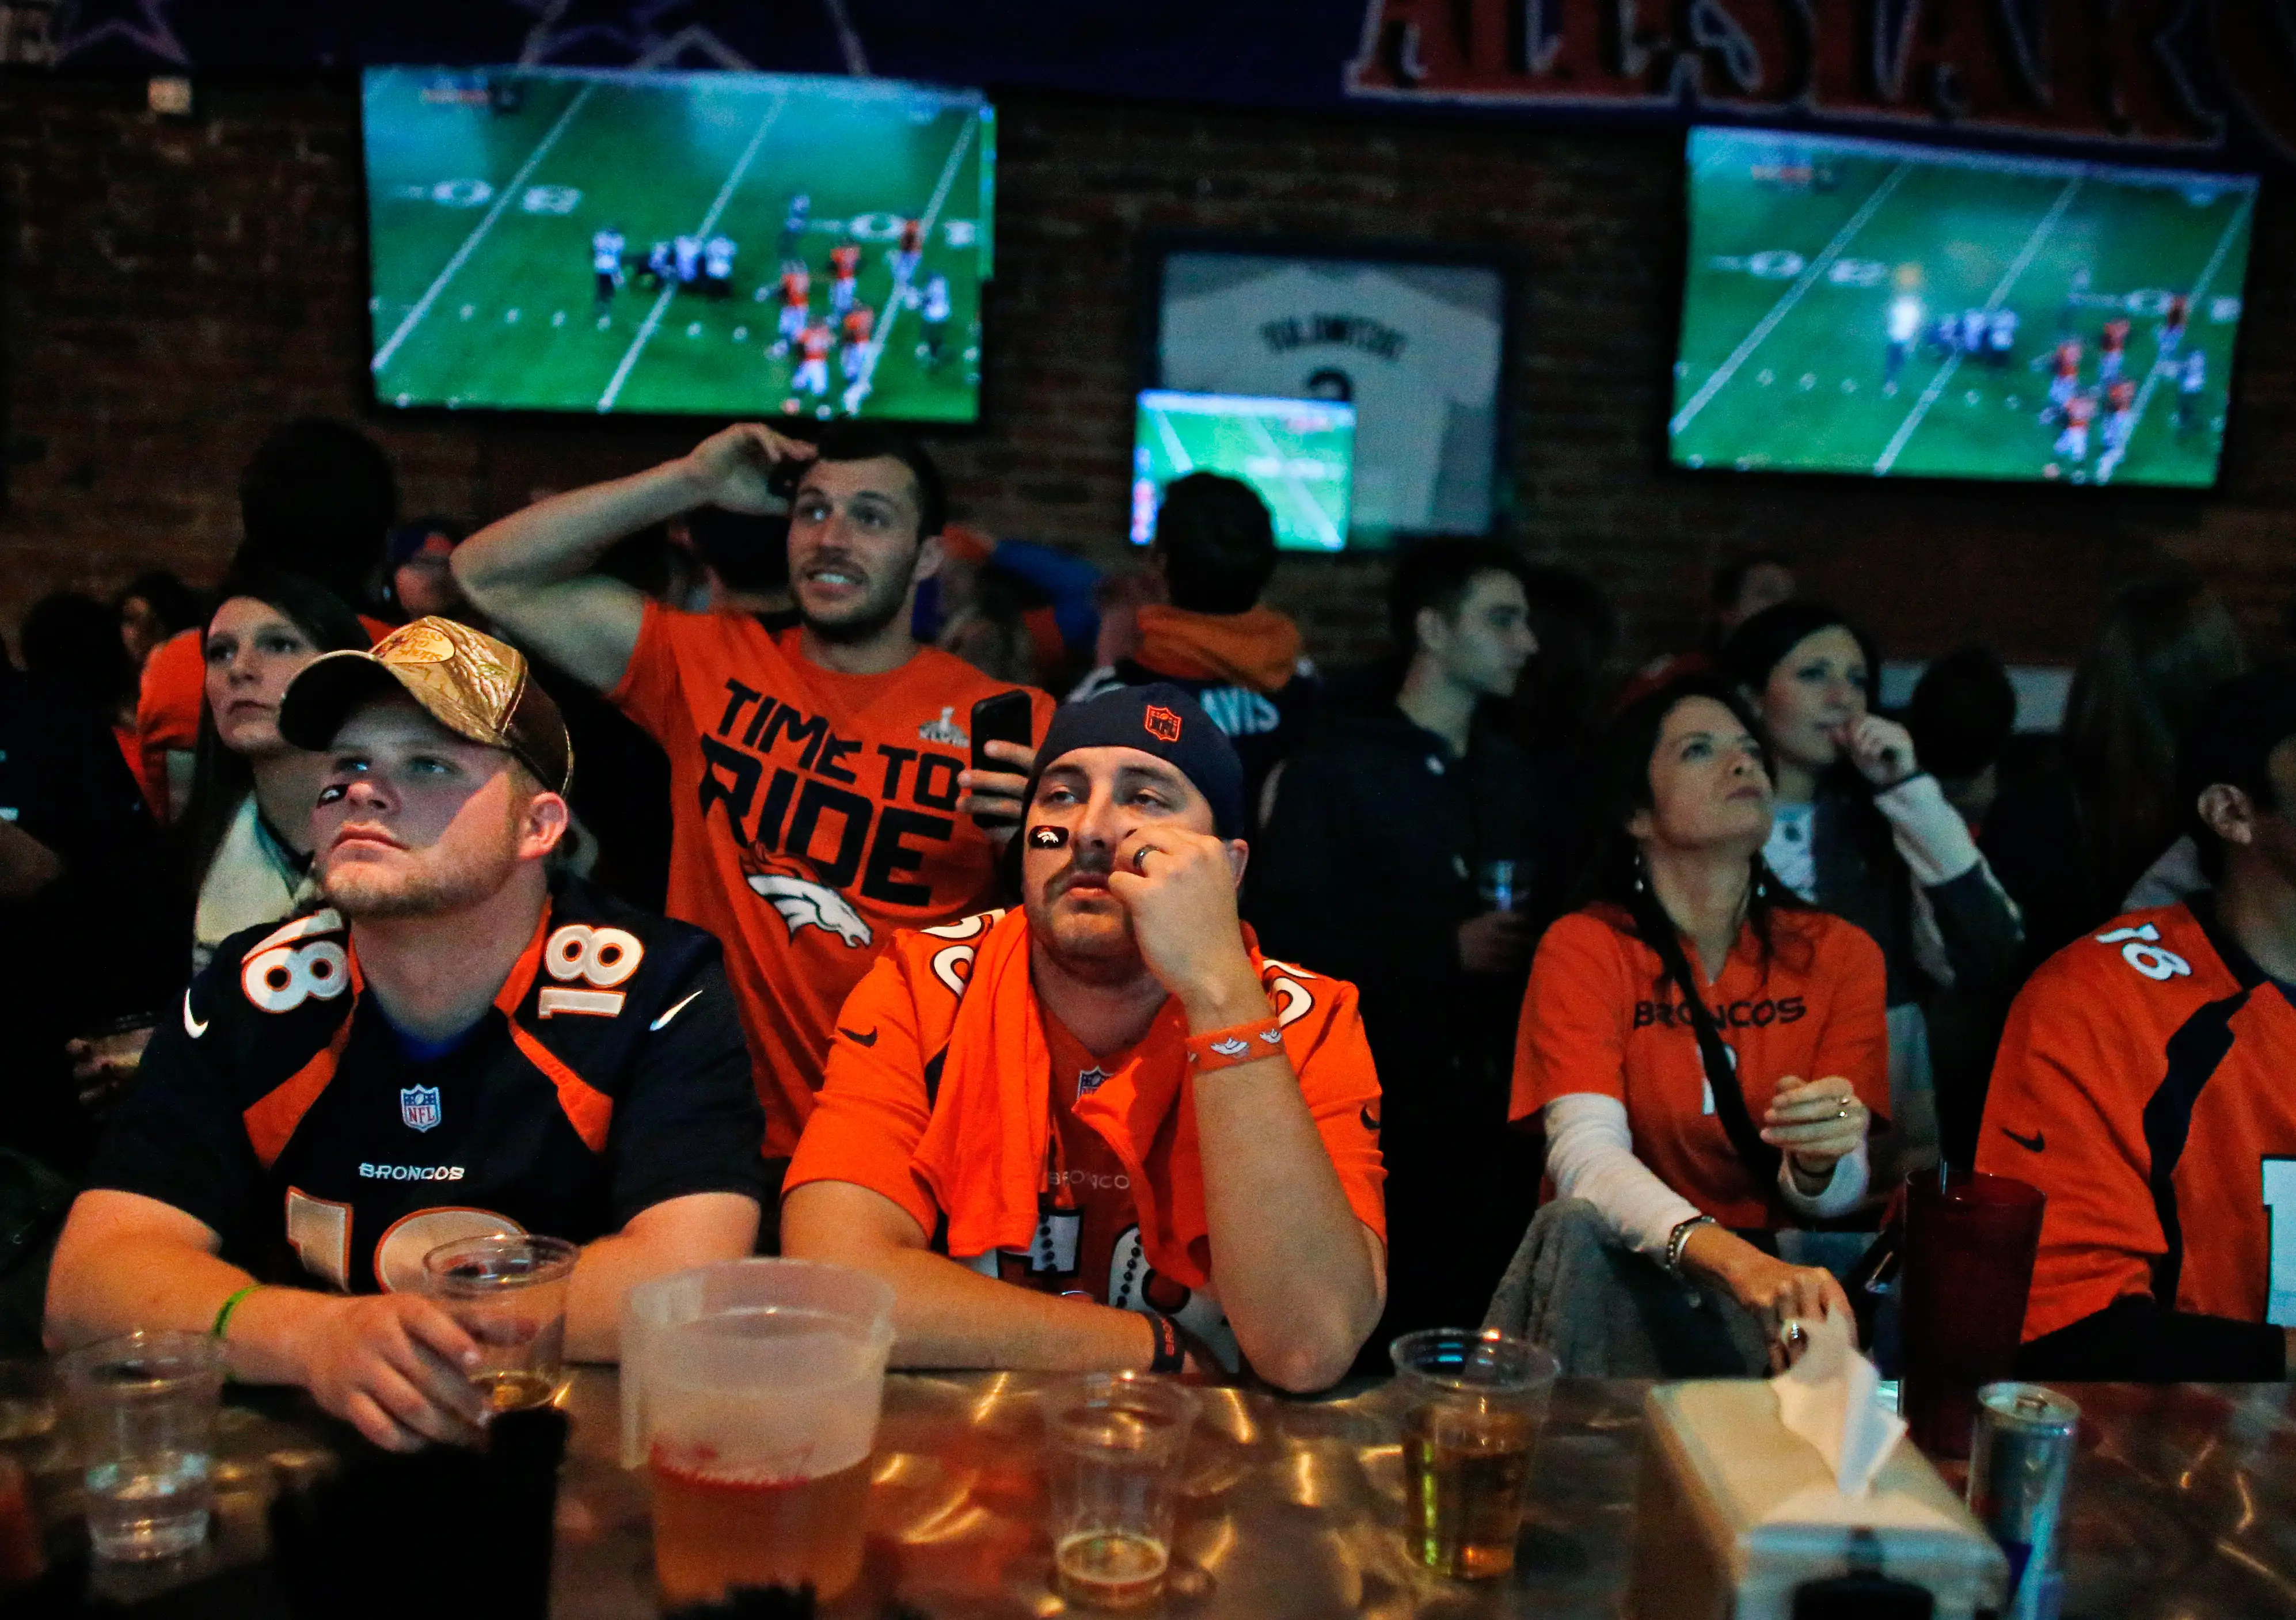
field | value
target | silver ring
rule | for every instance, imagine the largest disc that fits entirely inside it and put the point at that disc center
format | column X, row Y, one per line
column 1793, row 1335
column 1843, row 1113
column 1140, row 858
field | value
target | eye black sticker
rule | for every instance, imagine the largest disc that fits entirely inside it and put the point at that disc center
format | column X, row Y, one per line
column 1047, row 838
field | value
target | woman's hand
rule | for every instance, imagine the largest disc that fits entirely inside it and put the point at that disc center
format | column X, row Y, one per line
column 1776, row 1293
column 1882, row 750
column 1814, row 1123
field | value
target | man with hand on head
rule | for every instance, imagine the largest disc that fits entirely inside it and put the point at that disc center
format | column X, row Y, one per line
column 1104, row 1130
column 460, row 1045
column 820, row 793
column 2142, row 1086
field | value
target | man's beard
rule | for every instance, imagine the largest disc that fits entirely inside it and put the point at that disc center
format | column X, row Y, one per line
column 433, row 889
column 863, row 622
column 1092, row 951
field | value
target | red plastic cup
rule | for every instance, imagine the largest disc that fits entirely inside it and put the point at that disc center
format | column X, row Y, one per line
column 1969, row 1241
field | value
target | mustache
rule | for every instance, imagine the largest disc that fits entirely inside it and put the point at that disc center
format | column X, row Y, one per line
column 1089, row 864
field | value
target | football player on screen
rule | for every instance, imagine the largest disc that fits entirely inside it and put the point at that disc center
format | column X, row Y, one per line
column 812, row 371
column 796, row 294
column 935, row 317
column 606, row 262
column 1904, row 321
column 844, row 269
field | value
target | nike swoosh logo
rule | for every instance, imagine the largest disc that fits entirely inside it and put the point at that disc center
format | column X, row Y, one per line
column 2032, row 1144
column 193, row 1028
column 858, row 1040
column 674, row 1012
column 1370, row 1120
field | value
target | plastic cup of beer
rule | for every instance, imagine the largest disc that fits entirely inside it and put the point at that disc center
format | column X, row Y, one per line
column 1117, row 1440
column 1472, row 1403
column 144, row 1407
column 508, row 1291
column 761, row 1411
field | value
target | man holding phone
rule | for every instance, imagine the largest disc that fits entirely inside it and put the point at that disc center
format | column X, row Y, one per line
column 822, row 793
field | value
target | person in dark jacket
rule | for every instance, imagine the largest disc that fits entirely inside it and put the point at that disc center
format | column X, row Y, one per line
column 1212, row 637
column 1862, row 831
column 1379, row 863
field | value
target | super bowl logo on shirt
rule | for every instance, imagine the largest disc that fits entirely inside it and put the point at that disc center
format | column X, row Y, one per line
column 418, row 1105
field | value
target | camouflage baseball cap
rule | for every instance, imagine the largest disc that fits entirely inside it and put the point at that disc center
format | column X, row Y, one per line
column 477, row 687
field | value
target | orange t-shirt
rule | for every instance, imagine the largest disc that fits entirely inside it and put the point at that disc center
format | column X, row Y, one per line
column 2137, row 1047
column 168, row 703
column 1601, row 1017
column 812, row 814
column 886, row 1080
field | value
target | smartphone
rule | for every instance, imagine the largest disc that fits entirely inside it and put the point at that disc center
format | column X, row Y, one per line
column 1003, row 718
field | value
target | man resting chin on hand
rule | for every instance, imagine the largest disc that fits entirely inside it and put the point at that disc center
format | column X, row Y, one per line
column 1102, row 1131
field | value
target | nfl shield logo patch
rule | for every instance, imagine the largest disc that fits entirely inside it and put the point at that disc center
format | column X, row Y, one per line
column 418, row 1105
column 1089, row 1081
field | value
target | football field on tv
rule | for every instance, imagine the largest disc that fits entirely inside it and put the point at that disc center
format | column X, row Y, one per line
column 1298, row 456
column 482, row 207
column 1798, row 246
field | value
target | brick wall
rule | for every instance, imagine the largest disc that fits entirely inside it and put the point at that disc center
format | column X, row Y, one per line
column 171, row 290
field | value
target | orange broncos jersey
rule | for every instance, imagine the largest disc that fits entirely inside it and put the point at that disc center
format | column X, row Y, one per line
column 2142, row 1086
column 1597, row 1019
column 813, row 813
column 886, row 1081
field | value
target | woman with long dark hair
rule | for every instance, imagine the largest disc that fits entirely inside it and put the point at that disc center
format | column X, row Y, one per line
column 1706, row 1052
column 245, row 848
column 1861, row 831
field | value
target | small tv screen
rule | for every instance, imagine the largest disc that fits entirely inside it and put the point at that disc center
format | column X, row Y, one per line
column 706, row 243
column 1297, row 455
column 1893, row 310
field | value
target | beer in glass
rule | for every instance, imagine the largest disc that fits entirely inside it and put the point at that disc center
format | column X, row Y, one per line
column 1472, row 1403
column 760, row 1416
column 508, row 1291
column 1117, row 1440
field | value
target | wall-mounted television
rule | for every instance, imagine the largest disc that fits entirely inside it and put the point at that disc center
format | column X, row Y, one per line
column 704, row 243
column 1298, row 454
column 1888, row 309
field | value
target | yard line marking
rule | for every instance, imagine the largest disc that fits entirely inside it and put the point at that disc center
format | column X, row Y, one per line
column 2200, row 289
column 469, row 244
column 709, row 223
column 882, row 331
column 1325, row 529
column 2017, row 267
column 1783, row 307
column 1173, row 447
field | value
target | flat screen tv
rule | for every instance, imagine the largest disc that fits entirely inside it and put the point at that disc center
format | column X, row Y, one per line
column 706, row 244
column 1877, row 309
column 1298, row 454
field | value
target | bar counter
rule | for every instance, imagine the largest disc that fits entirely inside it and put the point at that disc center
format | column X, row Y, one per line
column 2183, row 1506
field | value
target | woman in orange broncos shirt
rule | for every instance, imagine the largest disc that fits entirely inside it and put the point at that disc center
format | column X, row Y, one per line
column 1705, row 1051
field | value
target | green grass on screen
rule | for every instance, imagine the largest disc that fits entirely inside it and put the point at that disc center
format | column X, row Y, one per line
column 1799, row 244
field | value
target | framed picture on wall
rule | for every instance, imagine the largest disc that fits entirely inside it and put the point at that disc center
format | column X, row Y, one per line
column 1416, row 342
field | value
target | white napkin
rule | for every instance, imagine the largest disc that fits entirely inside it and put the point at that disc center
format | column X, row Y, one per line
column 1830, row 1398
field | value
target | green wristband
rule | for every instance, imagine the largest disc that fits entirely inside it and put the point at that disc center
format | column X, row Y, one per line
column 223, row 1317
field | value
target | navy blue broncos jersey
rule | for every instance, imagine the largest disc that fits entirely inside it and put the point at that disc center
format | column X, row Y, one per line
column 282, row 1109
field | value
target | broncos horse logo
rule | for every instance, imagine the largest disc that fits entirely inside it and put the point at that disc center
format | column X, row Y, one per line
column 806, row 904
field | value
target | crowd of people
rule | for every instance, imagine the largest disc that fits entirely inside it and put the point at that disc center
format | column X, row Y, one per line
column 630, row 871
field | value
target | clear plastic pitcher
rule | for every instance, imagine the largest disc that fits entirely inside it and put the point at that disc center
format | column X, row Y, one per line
column 751, row 1390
